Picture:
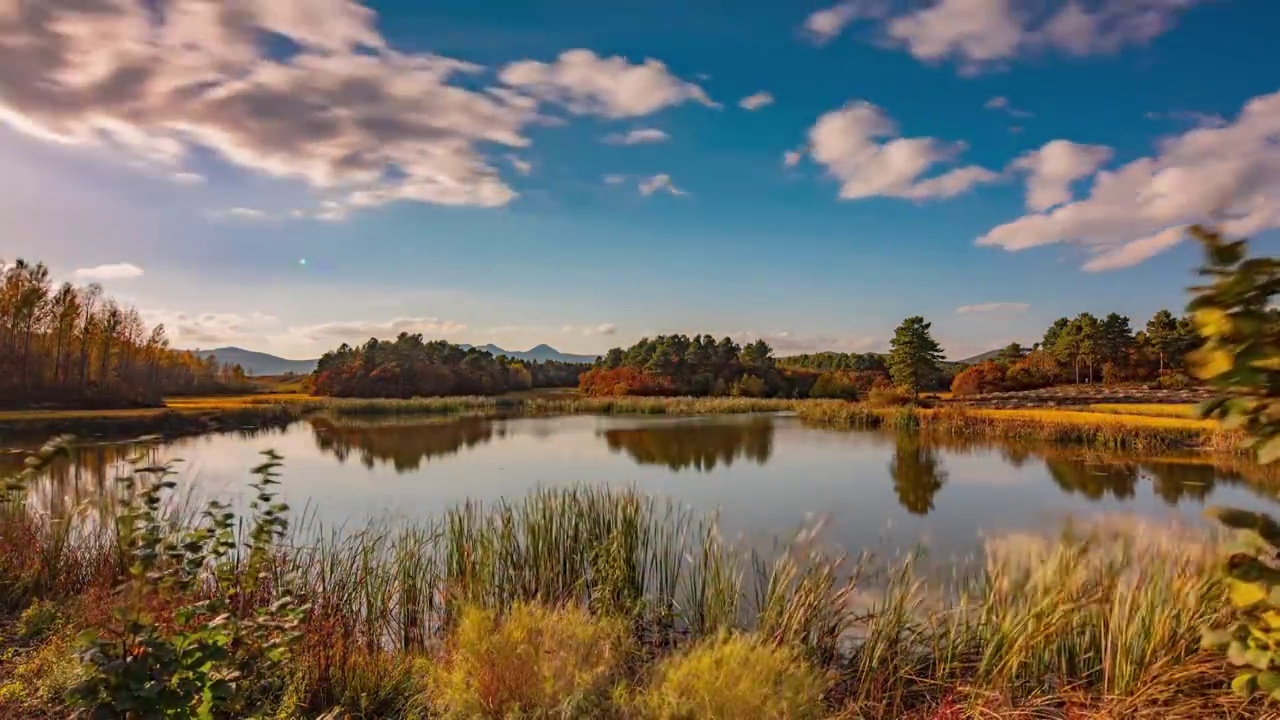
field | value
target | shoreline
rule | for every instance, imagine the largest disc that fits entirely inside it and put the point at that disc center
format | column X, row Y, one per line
column 1105, row 427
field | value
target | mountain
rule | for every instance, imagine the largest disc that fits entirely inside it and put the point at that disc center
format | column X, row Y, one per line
column 541, row 353
column 258, row 363
column 981, row 357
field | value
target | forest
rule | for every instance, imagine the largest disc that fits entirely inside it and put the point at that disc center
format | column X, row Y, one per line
column 411, row 367
column 76, row 346
column 703, row 366
column 1085, row 349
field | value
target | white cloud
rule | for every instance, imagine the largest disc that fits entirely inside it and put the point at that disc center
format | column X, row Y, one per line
column 756, row 101
column 792, row 158
column 1001, row 103
column 1229, row 175
column 612, row 87
column 614, row 179
column 245, row 213
column 659, row 183
column 786, row 342
column 824, row 25
column 344, row 113
column 848, row 142
column 210, row 329
column 188, row 178
column 361, row 330
column 520, row 165
column 984, row 33
column 1011, row 307
column 114, row 271
column 591, row 330
column 638, row 136
column 1051, row 170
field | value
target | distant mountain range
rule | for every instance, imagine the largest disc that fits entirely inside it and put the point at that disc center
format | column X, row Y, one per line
column 258, row 363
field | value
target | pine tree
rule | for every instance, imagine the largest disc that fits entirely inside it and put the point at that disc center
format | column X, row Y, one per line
column 914, row 356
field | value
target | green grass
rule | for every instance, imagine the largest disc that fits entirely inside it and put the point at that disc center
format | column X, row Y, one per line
column 1103, row 618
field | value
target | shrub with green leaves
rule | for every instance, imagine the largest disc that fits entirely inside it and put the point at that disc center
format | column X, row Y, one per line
column 1240, row 358
column 198, row 630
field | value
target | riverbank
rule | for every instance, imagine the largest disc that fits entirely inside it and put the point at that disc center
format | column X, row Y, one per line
column 584, row 602
column 1144, row 428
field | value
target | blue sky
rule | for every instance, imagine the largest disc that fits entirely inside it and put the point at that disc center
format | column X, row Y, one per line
column 316, row 171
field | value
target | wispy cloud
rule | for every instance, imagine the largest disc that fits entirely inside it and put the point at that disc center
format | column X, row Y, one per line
column 1002, row 104
column 614, row 179
column 659, row 183
column 1006, row 307
column 188, row 178
column 591, row 330
column 639, row 136
column 114, row 271
column 756, row 101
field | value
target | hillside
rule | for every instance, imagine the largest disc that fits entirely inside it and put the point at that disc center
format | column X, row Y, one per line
column 981, row 357
column 259, row 363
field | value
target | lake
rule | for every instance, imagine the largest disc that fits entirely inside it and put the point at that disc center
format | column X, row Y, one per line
column 768, row 476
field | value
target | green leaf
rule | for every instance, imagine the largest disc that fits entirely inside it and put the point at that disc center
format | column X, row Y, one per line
column 1244, row 684
column 1245, row 594
column 1269, row 681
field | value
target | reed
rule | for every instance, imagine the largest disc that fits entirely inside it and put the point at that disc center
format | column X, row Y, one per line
column 1094, row 430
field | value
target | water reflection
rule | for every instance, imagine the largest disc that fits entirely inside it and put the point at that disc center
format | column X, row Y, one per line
column 698, row 445
column 917, row 473
column 403, row 445
column 762, row 462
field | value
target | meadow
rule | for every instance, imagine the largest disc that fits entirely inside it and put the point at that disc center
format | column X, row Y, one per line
column 586, row 603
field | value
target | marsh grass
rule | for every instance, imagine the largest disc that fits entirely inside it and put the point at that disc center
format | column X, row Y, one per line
column 1095, row 430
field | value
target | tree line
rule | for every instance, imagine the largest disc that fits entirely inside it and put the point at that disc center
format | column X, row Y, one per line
column 704, row 366
column 411, row 367
column 1086, row 349
column 75, row 346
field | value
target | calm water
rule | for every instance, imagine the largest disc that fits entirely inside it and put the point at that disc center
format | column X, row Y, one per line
column 768, row 476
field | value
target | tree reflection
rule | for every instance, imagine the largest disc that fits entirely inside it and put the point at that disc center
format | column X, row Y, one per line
column 700, row 446
column 1174, row 481
column 402, row 445
column 1093, row 479
column 917, row 473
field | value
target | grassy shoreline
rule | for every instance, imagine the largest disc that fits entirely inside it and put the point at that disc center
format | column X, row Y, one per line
column 582, row 602
column 1140, row 428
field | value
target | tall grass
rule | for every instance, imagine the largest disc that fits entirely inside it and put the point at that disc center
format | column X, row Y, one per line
column 1095, row 430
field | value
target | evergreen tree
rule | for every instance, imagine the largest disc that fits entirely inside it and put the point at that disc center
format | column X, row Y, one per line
column 914, row 355
column 1162, row 334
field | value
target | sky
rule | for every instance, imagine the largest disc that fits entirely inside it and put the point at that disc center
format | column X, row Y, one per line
column 287, row 175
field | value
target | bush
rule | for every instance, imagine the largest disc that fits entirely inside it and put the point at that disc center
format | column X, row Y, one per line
column 734, row 676
column 1112, row 374
column 887, row 397
column 40, row 678
column 532, row 662
column 834, row 385
column 1174, row 381
column 38, row 620
column 982, row 378
column 1037, row 370
column 748, row 386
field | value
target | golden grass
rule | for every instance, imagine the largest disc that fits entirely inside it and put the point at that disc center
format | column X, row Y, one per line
column 1149, row 409
column 222, row 402
column 1106, row 418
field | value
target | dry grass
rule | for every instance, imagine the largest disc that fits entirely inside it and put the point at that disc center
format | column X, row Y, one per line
column 222, row 402
column 1105, row 418
column 1149, row 409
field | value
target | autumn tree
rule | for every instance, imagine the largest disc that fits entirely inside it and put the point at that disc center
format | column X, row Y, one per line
column 914, row 355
